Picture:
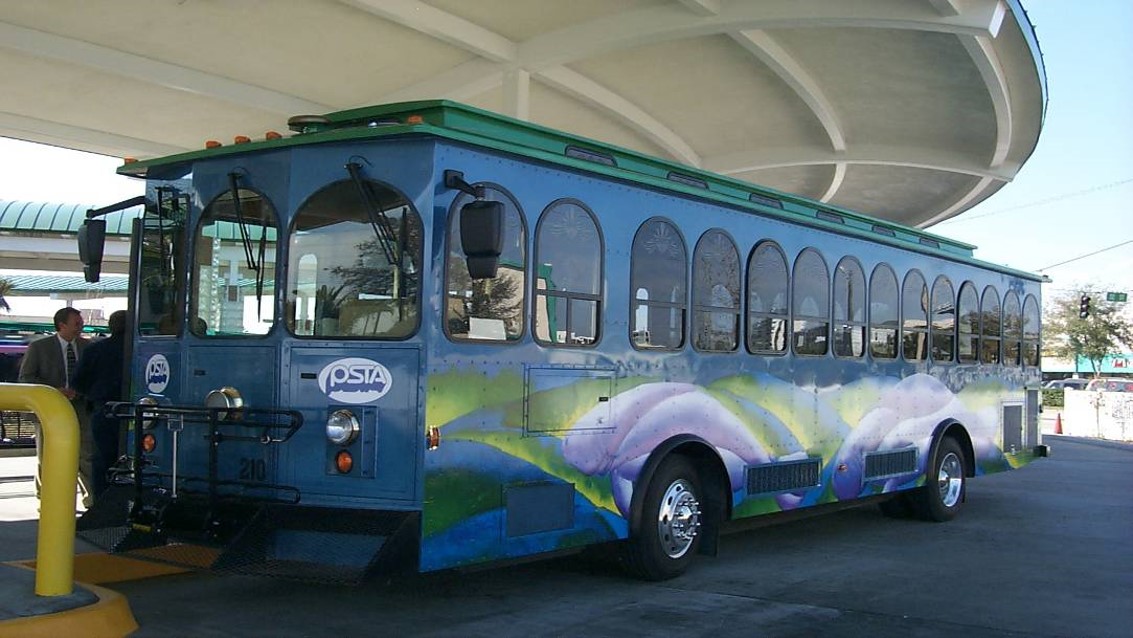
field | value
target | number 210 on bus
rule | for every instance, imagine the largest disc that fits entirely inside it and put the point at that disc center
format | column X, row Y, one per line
column 424, row 334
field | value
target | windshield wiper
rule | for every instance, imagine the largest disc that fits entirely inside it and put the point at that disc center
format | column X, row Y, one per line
column 245, row 238
column 379, row 221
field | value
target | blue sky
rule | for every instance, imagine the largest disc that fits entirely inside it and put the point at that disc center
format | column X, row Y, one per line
column 1073, row 197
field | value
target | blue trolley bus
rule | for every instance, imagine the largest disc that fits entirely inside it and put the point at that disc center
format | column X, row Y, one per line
column 431, row 335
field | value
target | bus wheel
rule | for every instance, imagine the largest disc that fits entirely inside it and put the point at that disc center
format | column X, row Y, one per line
column 943, row 494
column 669, row 533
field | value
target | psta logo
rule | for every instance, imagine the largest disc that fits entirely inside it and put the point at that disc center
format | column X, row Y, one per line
column 355, row 380
column 157, row 373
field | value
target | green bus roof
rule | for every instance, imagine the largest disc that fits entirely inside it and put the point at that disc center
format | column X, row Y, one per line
column 453, row 120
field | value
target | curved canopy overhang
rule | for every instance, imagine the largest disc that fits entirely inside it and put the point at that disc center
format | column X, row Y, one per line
column 909, row 110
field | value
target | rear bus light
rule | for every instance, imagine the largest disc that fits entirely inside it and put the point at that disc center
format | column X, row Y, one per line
column 343, row 462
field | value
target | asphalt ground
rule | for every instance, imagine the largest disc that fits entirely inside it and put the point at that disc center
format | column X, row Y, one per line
column 1042, row 551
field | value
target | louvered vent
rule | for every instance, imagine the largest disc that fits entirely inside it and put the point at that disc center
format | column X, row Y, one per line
column 883, row 464
column 783, row 477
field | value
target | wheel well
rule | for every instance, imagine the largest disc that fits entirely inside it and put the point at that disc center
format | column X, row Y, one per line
column 709, row 469
column 956, row 431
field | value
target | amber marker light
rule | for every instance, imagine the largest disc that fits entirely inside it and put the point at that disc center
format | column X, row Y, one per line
column 414, row 119
column 272, row 135
column 129, row 160
column 212, row 144
column 149, row 443
column 433, row 438
column 343, row 462
column 241, row 139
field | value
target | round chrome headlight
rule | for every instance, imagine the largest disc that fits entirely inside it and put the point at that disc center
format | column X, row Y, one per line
column 227, row 398
column 342, row 427
column 149, row 419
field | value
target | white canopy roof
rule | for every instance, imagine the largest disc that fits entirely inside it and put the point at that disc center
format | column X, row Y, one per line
column 910, row 110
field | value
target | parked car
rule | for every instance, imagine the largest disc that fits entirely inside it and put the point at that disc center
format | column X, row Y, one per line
column 1111, row 385
column 1063, row 384
column 17, row 429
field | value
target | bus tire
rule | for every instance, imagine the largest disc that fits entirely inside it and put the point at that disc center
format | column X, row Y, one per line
column 945, row 486
column 669, row 533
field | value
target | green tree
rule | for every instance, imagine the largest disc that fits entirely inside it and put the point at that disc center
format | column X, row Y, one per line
column 5, row 290
column 1067, row 335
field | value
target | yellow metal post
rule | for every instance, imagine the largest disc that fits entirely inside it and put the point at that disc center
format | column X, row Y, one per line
column 55, row 551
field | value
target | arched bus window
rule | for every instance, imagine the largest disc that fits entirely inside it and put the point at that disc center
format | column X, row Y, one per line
column 487, row 309
column 914, row 317
column 658, row 272
column 568, row 276
column 715, row 293
column 990, row 326
column 233, row 285
column 810, row 296
column 884, row 307
column 968, row 322
column 354, row 271
column 767, row 308
column 943, row 320
column 849, row 308
column 1012, row 330
column 1031, row 331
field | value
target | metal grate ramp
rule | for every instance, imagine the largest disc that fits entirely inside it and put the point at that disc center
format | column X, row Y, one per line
column 319, row 544
column 334, row 545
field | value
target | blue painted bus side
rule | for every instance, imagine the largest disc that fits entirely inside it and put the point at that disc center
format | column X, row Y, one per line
column 501, row 483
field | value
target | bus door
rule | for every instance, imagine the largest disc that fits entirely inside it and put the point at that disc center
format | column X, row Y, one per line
column 157, row 292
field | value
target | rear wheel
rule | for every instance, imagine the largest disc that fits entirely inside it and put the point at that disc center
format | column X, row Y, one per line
column 943, row 494
column 669, row 532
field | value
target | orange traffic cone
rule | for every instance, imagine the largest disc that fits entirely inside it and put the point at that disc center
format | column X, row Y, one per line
column 1058, row 424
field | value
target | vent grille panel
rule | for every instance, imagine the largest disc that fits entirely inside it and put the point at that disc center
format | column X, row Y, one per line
column 882, row 464
column 783, row 477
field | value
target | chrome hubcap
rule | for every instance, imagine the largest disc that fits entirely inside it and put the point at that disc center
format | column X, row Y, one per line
column 678, row 521
column 950, row 480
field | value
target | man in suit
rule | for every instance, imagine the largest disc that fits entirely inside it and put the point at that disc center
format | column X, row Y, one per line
column 99, row 379
column 53, row 361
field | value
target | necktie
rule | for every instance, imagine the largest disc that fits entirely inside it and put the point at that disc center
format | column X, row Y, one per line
column 71, row 361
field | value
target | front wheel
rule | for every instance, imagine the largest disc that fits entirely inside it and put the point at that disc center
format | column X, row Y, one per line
column 943, row 494
column 669, row 532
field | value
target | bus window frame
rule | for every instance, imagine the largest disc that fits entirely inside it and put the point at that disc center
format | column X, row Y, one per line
column 459, row 200
column 192, row 297
column 598, row 298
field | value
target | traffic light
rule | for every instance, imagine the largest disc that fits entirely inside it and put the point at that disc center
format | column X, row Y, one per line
column 1084, row 307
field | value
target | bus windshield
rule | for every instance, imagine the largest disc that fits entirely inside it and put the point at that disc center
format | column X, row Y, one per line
column 235, row 265
column 347, row 278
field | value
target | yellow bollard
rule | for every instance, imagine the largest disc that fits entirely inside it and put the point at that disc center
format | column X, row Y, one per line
column 55, row 550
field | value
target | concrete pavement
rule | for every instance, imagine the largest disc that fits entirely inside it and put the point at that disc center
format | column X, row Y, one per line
column 1042, row 551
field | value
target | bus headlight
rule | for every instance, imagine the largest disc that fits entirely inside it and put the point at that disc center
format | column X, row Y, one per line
column 342, row 427
column 227, row 398
column 149, row 419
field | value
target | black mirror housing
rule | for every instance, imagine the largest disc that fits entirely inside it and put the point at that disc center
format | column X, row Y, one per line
column 482, row 237
column 92, row 238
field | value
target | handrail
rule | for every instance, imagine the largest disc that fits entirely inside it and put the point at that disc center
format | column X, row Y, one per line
column 59, row 427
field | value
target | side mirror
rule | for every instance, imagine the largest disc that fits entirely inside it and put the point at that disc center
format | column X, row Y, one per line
column 482, row 237
column 92, row 238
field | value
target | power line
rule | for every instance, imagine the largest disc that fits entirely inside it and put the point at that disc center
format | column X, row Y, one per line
column 1055, row 198
column 1096, row 252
